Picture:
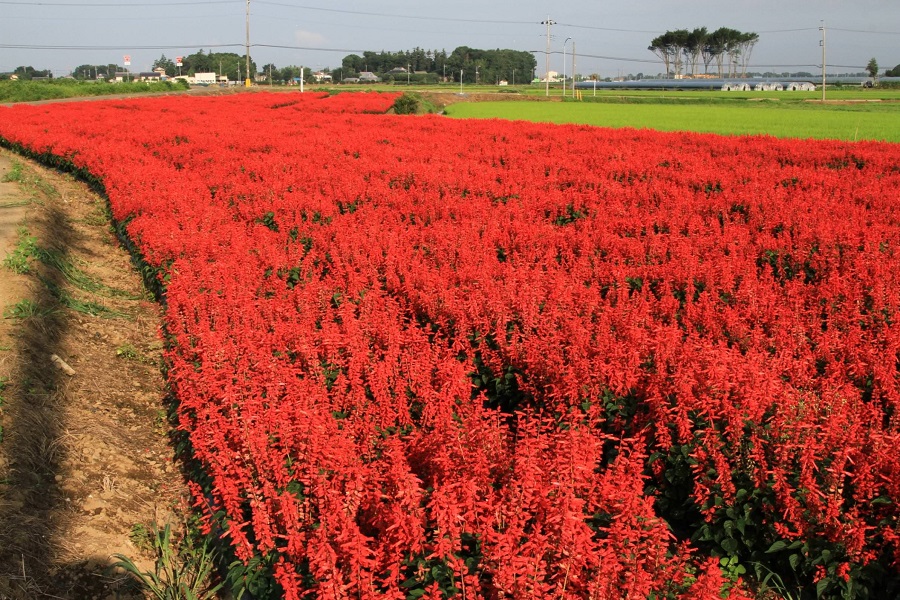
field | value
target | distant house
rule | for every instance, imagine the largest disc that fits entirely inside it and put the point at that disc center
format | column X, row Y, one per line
column 322, row 77
column 203, row 79
column 150, row 76
column 350, row 80
column 369, row 77
column 552, row 76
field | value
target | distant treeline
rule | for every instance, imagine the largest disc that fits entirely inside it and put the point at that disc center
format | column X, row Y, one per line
column 472, row 64
column 681, row 51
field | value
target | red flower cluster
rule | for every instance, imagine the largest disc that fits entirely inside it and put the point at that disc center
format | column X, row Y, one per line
column 418, row 357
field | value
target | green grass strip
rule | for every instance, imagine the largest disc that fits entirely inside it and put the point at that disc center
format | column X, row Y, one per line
column 88, row 308
column 77, row 277
column 842, row 122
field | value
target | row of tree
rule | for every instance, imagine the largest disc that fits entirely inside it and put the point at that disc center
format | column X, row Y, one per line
column 473, row 65
column 425, row 66
column 682, row 50
column 30, row 72
column 229, row 64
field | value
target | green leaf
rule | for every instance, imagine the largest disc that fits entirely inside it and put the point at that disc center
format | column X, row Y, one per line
column 409, row 583
column 730, row 545
column 821, row 587
column 779, row 545
column 729, row 528
column 794, row 561
column 416, row 593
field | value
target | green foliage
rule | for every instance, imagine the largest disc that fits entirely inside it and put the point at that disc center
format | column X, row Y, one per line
column 872, row 68
column 19, row 260
column 255, row 579
column 87, row 307
column 29, row 91
column 749, row 547
column 141, row 537
column 181, row 571
column 127, row 352
column 422, row 572
column 268, row 220
column 15, row 173
column 23, row 309
column 75, row 276
column 412, row 104
column 224, row 63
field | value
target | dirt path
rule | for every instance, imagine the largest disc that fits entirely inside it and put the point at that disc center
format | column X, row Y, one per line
column 84, row 460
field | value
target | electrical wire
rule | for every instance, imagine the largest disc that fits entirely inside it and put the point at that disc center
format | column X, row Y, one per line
column 131, row 47
column 118, row 4
column 93, row 19
column 864, row 31
column 394, row 15
column 609, row 29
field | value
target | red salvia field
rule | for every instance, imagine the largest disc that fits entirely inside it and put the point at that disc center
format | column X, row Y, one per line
column 419, row 357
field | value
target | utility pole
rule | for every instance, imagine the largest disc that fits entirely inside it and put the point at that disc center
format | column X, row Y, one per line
column 564, row 65
column 247, row 82
column 822, row 43
column 548, row 23
column 573, row 68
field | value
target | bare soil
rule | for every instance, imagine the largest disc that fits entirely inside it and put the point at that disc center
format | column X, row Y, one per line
column 84, row 458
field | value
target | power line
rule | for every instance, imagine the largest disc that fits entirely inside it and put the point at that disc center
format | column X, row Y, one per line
column 789, row 30
column 350, row 50
column 583, row 55
column 92, row 19
column 648, row 61
column 864, row 31
column 394, row 15
column 130, row 47
column 608, row 29
column 173, row 47
column 117, row 4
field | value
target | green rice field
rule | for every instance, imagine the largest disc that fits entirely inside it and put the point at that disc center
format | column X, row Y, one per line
column 845, row 117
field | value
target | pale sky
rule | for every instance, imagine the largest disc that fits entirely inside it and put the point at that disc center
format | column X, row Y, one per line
column 609, row 37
